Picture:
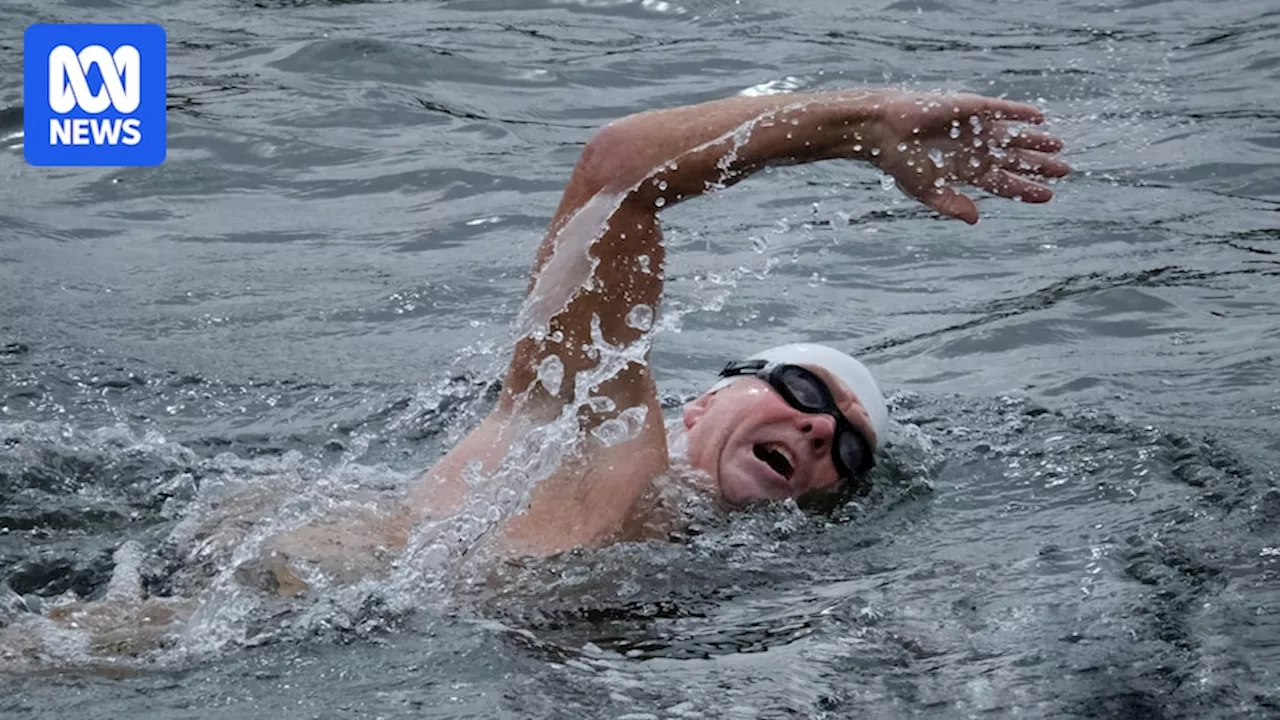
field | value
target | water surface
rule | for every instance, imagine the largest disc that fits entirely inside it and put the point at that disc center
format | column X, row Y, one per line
column 313, row 298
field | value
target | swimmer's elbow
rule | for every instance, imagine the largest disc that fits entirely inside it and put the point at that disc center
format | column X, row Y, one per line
column 611, row 161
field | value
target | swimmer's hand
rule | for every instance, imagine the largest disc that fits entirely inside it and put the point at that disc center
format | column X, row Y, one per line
column 931, row 142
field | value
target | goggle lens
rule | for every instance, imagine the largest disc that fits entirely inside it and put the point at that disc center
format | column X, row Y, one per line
column 811, row 394
column 853, row 452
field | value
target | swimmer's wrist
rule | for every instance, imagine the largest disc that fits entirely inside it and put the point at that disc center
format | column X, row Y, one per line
column 845, row 124
column 865, row 135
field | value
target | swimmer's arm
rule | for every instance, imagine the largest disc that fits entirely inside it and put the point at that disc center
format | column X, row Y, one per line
column 687, row 151
column 637, row 165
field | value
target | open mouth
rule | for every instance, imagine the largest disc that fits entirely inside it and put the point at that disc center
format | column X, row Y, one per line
column 777, row 457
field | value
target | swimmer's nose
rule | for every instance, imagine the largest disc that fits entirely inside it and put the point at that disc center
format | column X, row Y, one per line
column 818, row 431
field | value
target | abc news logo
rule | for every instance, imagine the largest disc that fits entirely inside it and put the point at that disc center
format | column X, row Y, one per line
column 69, row 89
column 94, row 95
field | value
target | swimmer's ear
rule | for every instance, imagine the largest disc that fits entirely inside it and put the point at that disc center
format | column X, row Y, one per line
column 695, row 409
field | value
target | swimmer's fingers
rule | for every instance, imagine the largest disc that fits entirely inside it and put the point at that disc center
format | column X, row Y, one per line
column 1009, row 110
column 947, row 202
column 1031, row 162
column 950, row 203
column 970, row 109
column 910, row 116
column 1008, row 185
column 1031, row 140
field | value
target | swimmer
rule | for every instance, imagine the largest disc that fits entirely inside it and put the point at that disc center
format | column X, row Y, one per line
column 794, row 421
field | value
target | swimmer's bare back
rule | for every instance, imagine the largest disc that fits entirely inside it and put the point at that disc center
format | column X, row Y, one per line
column 603, row 255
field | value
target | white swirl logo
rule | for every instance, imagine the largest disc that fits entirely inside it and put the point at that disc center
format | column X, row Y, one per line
column 121, row 79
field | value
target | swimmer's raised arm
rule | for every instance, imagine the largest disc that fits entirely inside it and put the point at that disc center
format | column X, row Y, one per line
column 635, row 166
column 701, row 147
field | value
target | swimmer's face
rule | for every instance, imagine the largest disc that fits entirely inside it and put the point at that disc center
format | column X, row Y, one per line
column 756, row 447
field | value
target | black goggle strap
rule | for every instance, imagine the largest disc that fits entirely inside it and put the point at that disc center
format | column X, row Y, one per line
column 756, row 368
column 743, row 367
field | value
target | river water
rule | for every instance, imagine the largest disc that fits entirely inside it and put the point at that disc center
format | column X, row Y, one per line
column 312, row 298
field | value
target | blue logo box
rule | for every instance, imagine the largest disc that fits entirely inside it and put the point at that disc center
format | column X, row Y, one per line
column 94, row 95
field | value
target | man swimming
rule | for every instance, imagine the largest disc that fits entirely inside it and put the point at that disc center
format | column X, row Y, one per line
column 788, row 422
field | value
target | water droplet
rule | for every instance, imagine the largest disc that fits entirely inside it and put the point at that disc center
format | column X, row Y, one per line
column 975, row 162
column 857, row 148
column 660, row 202
column 875, row 152
column 640, row 317
column 662, row 184
column 622, row 428
column 955, row 132
column 902, row 147
column 643, row 260
column 759, row 243
column 601, row 403
column 886, row 182
column 551, row 373
column 939, row 182
column 935, row 155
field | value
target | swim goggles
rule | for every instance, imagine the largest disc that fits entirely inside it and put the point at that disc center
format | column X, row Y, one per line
column 805, row 391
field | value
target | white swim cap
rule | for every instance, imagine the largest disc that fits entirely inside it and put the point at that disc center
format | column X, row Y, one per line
column 853, row 373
